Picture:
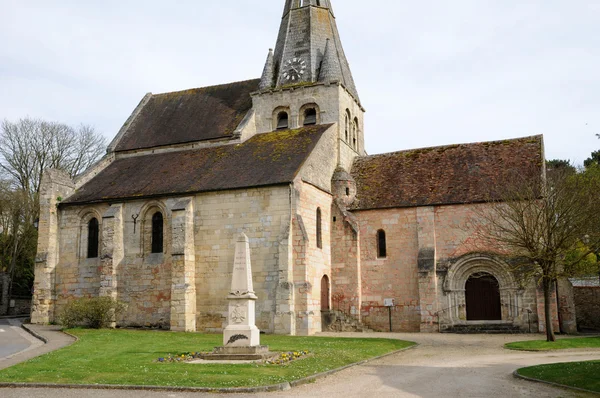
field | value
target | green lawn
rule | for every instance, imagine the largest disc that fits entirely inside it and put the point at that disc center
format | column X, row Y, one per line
column 584, row 375
column 561, row 344
column 127, row 357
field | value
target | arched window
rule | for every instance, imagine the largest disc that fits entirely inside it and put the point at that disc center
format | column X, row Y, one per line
column 319, row 230
column 93, row 235
column 355, row 133
column 381, row 244
column 325, row 293
column 347, row 126
column 310, row 116
column 157, row 232
column 282, row 121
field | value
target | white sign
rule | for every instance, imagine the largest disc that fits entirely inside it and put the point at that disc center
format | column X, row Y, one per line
column 389, row 302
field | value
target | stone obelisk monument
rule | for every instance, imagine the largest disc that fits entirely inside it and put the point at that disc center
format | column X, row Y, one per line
column 241, row 330
column 241, row 338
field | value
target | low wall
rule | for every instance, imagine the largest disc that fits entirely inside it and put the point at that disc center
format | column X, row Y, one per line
column 22, row 306
column 587, row 304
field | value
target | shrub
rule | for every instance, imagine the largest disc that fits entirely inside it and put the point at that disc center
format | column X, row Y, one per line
column 95, row 313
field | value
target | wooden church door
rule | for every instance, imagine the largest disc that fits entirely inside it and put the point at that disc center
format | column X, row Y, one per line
column 483, row 298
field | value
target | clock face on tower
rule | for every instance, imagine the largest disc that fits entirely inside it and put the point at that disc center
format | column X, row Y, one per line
column 293, row 70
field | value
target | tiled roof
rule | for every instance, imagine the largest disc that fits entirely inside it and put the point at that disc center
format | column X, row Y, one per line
column 266, row 159
column 187, row 116
column 452, row 174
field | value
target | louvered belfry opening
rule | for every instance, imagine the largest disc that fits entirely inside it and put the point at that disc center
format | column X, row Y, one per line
column 282, row 121
column 310, row 117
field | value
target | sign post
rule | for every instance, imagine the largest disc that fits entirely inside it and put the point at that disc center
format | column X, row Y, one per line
column 389, row 303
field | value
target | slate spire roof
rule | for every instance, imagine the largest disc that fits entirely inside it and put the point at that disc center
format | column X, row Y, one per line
column 308, row 27
column 330, row 67
column 268, row 76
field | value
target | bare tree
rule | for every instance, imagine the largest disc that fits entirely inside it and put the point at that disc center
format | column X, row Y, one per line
column 30, row 146
column 27, row 148
column 549, row 223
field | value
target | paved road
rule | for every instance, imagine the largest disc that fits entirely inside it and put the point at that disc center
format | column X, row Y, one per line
column 444, row 366
column 12, row 338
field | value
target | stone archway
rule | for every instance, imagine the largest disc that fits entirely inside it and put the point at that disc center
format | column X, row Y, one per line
column 486, row 279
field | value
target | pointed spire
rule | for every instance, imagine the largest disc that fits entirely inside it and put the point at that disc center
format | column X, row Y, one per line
column 301, row 56
column 331, row 70
column 268, row 78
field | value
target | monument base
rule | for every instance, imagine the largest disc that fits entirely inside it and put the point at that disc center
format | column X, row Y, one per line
column 239, row 354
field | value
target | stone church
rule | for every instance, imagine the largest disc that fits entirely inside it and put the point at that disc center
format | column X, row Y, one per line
column 337, row 236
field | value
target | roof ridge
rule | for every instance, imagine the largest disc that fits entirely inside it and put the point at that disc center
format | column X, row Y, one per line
column 206, row 87
column 496, row 142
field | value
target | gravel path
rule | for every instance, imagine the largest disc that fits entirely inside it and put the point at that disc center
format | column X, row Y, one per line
column 443, row 365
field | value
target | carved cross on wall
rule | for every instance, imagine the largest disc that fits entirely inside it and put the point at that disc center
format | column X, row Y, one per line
column 135, row 217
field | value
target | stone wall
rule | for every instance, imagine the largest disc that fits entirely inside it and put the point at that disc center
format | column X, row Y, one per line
column 394, row 276
column 431, row 252
column 331, row 100
column 312, row 260
column 19, row 306
column 263, row 214
column 587, row 304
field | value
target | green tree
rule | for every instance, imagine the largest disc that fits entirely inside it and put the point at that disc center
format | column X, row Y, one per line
column 594, row 159
column 560, row 165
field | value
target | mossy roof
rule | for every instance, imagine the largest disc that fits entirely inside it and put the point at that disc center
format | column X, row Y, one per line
column 454, row 174
column 266, row 159
column 199, row 114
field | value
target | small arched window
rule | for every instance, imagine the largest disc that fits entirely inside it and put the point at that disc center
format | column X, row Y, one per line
column 319, row 230
column 310, row 116
column 381, row 244
column 282, row 121
column 93, row 238
column 157, row 232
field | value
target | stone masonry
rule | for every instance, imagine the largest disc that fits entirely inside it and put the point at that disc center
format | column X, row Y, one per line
column 282, row 160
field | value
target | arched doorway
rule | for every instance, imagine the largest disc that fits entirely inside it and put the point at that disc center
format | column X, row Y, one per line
column 482, row 293
column 325, row 293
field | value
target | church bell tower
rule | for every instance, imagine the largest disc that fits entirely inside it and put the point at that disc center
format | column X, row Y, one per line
column 307, row 79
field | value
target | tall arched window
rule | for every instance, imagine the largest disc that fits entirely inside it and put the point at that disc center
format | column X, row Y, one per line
column 319, row 230
column 325, row 293
column 93, row 235
column 282, row 121
column 381, row 244
column 157, row 232
column 355, row 133
column 347, row 124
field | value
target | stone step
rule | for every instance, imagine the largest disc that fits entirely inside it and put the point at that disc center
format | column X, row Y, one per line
column 341, row 322
column 492, row 328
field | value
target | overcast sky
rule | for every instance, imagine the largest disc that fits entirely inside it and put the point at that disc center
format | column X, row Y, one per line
column 428, row 72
